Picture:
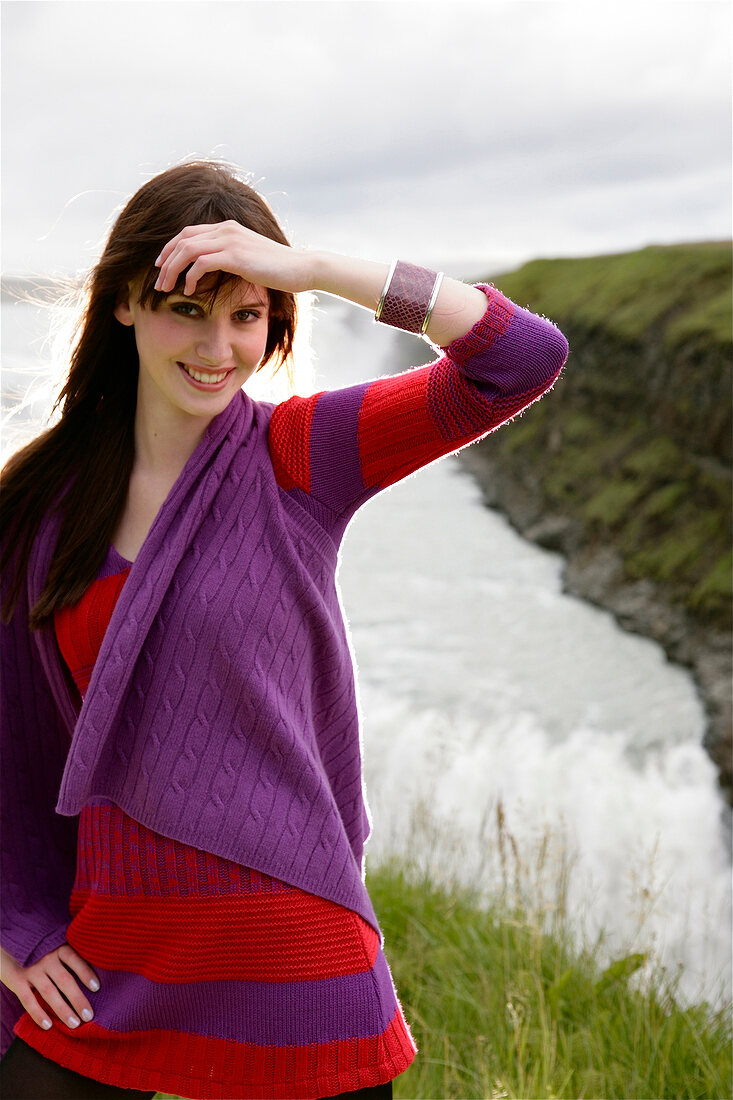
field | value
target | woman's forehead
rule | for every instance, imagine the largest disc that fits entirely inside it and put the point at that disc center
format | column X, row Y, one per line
column 231, row 290
column 230, row 293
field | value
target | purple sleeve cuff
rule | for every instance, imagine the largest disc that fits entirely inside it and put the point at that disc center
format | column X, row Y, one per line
column 33, row 934
column 509, row 350
column 49, row 942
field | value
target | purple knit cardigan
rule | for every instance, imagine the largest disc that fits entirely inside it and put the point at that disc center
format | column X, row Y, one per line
column 222, row 709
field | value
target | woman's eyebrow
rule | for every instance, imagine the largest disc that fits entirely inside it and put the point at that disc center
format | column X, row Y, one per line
column 203, row 299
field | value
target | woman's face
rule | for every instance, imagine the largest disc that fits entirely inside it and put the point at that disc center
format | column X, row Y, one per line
column 184, row 337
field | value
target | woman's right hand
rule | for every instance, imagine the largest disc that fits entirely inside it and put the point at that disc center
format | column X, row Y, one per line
column 49, row 977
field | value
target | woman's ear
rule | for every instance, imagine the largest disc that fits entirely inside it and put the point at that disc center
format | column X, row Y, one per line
column 122, row 310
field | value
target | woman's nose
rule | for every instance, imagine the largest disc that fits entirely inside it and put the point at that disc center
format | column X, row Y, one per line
column 215, row 345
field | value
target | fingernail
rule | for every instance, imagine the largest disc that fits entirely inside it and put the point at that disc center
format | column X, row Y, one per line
column 73, row 1022
column 87, row 1013
column 46, row 1023
column 157, row 262
column 93, row 984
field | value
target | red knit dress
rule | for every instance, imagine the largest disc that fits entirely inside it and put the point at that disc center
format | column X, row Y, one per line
column 144, row 905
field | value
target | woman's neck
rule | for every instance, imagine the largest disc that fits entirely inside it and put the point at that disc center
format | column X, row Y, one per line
column 165, row 439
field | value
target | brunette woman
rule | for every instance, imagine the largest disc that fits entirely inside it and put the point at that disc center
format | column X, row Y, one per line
column 184, row 902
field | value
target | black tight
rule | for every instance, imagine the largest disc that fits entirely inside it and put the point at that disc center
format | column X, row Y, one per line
column 27, row 1075
column 375, row 1092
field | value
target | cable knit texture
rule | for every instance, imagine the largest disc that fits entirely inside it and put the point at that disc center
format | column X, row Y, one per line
column 221, row 711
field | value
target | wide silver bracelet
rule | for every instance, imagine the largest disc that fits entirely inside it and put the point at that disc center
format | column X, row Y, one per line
column 409, row 296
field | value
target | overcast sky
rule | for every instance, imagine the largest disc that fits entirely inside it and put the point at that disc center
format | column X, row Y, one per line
column 474, row 135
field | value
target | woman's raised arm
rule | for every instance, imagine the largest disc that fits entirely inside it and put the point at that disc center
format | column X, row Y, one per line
column 339, row 447
column 229, row 246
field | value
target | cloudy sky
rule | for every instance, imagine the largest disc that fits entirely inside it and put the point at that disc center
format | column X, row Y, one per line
column 474, row 135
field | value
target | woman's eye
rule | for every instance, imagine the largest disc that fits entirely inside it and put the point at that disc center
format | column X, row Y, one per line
column 185, row 309
column 247, row 315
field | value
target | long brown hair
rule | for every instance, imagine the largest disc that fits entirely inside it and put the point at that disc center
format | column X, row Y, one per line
column 91, row 448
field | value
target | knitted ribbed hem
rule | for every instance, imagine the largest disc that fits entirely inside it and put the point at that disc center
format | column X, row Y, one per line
column 199, row 1067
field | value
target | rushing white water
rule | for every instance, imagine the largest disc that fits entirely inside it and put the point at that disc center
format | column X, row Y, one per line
column 485, row 690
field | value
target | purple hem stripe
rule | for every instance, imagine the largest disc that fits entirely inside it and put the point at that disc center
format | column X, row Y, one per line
column 269, row 1013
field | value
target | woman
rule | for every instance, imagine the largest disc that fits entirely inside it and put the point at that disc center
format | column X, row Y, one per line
column 182, row 770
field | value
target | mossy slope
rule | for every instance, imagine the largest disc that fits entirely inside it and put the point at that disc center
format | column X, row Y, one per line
column 634, row 442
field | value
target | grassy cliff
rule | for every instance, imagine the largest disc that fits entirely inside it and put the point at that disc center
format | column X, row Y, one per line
column 625, row 467
column 635, row 441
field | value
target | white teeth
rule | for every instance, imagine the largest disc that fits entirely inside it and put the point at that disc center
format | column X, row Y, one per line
column 200, row 377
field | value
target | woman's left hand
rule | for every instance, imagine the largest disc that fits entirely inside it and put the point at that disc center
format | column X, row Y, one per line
column 229, row 246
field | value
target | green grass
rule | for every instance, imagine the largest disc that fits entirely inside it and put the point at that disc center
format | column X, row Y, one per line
column 501, row 1003
column 500, row 1007
column 683, row 290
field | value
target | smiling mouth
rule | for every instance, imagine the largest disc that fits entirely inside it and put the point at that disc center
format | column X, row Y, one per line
column 208, row 378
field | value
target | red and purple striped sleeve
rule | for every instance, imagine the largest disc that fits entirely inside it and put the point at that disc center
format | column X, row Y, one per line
column 342, row 446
